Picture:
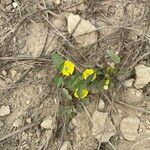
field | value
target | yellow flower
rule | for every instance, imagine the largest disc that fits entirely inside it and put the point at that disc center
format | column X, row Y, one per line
column 84, row 93
column 87, row 73
column 68, row 68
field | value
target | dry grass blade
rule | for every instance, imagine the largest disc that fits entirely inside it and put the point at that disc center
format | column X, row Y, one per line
column 19, row 131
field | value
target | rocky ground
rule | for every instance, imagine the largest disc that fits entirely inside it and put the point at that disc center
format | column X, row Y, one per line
column 33, row 112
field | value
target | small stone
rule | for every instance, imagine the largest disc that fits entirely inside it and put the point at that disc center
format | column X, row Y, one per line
column 15, row 5
column 13, row 72
column 129, row 128
column 28, row 120
column 147, row 121
column 57, row 2
column 128, row 83
column 103, row 129
column 18, row 122
column 48, row 123
column 85, row 33
column 1, row 124
column 28, row 101
column 4, row 72
column 142, row 76
column 41, row 106
column 101, row 104
column 4, row 110
column 132, row 95
column 66, row 146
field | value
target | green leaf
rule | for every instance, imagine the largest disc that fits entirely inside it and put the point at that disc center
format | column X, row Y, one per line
column 66, row 94
column 58, row 80
column 89, row 78
column 73, row 81
column 81, row 86
column 115, row 58
column 67, row 110
column 57, row 60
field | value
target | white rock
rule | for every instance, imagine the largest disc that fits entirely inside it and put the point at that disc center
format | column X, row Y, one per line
column 129, row 128
column 85, row 32
column 101, row 104
column 84, row 27
column 48, row 123
column 18, row 122
column 13, row 72
column 4, row 110
column 28, row 120
column 1, row 124
column 66, row 146
column 15, row 4
column 103, row 129
column 57, row 2
column 142, row 76
column 4, row 72
column 28, row 102
column 128, row 83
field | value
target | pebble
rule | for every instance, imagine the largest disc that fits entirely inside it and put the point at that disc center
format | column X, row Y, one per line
column 4, row 110
column 129, row 127
column 28, row 102
column 142, row 76
column 101, row 104
column 4, row 72
column 66, row 146
column 13, row 72
column 103, row 128
column 28, row 120
column 15, row 5
column 48, row 123
column 57, row 2
column 18, row 122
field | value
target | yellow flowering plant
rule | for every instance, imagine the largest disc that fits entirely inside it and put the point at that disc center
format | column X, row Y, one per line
column 81, row 84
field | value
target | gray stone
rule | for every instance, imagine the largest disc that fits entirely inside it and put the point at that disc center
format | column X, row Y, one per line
column 48, row 123
column 142, row 76
column 103, row 129
column 85, row 32
column 4, row 110
column 129, row 128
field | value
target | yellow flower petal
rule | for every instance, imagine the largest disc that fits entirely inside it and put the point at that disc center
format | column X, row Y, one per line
column 84, row 93
column 87, row 73
column 68, row 68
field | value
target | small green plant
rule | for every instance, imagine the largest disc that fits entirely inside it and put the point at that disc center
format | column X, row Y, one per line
column 114, row 57
column 81, row 84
